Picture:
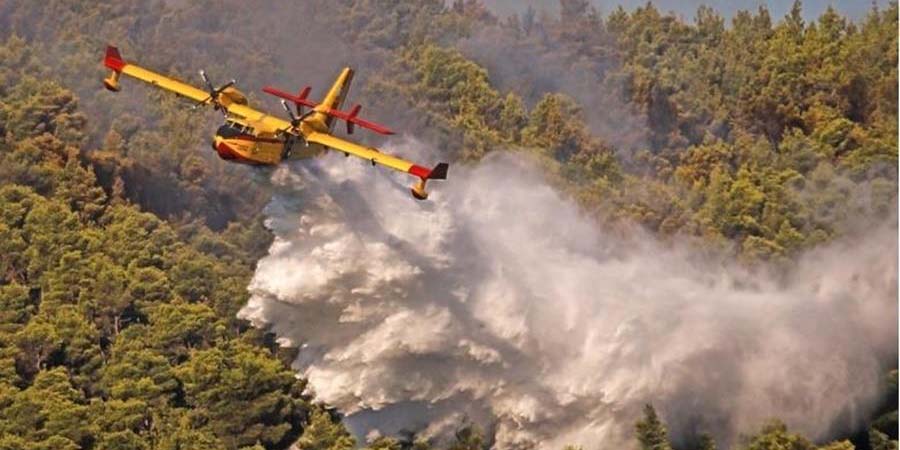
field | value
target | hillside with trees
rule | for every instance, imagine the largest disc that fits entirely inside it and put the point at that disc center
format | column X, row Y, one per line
column 126, row 246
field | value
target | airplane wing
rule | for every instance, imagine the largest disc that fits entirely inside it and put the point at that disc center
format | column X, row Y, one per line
column 114, row 61
column 368, row 153
column 439, row 172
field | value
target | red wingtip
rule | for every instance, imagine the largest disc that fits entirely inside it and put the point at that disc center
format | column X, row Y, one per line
column 419, row 171
column 439, row 172
column 113, row 59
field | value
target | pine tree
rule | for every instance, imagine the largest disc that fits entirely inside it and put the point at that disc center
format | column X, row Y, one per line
column 651, row 432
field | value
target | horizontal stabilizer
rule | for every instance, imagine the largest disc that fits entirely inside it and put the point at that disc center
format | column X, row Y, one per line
column 350, row 117
column 297, row 99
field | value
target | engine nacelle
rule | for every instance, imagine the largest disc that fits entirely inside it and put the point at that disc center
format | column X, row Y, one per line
column 231, row 95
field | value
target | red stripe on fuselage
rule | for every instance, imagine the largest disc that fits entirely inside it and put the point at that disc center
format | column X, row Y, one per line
column 229, row 154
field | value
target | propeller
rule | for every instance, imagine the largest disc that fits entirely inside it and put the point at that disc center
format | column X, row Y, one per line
column 213, row 93
column 295, row 121
column 293, row 133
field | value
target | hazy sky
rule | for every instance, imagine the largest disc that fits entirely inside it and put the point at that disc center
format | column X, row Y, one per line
column 687, row 8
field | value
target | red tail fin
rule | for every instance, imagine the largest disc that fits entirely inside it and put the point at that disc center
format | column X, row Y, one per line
column 113, row 59
column 350, row 118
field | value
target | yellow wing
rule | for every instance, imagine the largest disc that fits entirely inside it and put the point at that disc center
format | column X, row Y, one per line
column 114, row 61
column 367, row 153
column 439, row 172
column 232, row 100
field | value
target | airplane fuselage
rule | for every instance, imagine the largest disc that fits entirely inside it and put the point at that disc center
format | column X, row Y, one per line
column 241, row 142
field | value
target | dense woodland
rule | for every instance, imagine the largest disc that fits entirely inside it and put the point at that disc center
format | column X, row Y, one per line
column 126, row 246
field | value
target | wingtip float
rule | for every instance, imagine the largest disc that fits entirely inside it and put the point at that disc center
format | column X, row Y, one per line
column 113, row 60
column 250, row 136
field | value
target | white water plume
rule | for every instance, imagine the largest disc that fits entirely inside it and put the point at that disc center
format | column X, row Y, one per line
column 497, row 302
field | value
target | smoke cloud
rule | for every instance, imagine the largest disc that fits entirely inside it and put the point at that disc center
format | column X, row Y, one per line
column 496, row 302
column 523, row 66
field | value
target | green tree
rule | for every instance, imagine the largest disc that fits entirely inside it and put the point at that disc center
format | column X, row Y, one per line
column 121, row 440
column 651, row 432
column 775, row 436
column 469, row 437
column 242, row 394
column 880, row 441
column 323, row 433
column 384, row 443
column 707, row 442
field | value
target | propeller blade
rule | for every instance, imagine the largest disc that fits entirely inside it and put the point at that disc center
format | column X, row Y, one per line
column 307, row 114
column 287, row 109
column 209, row 85
column 225, row 86
column 199, row 104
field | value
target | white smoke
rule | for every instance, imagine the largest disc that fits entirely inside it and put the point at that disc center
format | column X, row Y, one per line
column 497, row 302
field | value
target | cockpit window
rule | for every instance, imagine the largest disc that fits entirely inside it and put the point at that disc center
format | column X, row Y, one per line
column 231, row 129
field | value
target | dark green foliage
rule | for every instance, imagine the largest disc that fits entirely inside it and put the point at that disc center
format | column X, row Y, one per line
column 651, row 432
column 775, row 436
column 323, row 433
column 767, row 135
column 469, row 437
column 118, row 331
column 384, row 443
column 880, row 441
column 242, row 394
column 125, row 249
column 706, row 443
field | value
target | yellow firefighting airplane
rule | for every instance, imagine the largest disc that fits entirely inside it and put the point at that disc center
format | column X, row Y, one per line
column 253, row 137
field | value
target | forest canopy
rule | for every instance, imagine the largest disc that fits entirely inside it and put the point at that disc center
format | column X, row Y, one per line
column 126, row 246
